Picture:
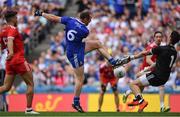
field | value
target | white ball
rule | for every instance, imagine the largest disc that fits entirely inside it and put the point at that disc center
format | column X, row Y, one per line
column 119, row 72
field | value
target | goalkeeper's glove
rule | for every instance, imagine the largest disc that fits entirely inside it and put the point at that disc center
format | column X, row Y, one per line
column 127, row 59
column 123, row 61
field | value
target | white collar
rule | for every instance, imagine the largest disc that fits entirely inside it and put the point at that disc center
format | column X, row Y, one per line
column 79, row 21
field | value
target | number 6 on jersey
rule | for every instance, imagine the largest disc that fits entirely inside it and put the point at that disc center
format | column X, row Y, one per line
column 71, row 35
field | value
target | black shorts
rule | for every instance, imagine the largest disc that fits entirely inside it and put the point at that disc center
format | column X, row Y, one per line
column 154, row 80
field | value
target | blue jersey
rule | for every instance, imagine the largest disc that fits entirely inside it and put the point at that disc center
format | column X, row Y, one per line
column 75, row 31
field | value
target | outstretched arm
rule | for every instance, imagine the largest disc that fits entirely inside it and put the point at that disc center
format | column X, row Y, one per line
column 141, row 54
column 132, row 57
column 48, row 16
column 127, row 59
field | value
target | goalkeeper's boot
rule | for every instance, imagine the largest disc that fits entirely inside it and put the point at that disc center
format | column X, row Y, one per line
column 135, row 102
column 142, row 105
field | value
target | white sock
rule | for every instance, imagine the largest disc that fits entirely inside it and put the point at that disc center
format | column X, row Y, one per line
column 162, row 104
column 128, row 92
column 28, row 109
column 140, row 101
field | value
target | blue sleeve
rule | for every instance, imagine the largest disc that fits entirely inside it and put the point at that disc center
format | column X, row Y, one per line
column 65, row 19
column 86, row 33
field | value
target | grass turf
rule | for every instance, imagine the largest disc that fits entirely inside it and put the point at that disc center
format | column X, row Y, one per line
column 92, row 114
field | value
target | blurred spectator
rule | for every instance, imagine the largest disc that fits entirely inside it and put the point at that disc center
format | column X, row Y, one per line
column 58, row 79
column 34, row 30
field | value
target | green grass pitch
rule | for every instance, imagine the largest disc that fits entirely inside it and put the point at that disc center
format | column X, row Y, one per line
column 93, row 114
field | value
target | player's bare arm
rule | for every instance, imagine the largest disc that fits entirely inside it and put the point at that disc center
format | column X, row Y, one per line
column 10, row 48
column 48, row 16
column 152, row 66
column 147, row 69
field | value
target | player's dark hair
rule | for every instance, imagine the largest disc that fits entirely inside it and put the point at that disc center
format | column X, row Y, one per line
column 85, row 14
column 174, row 37
column 8, row 14
column 157, row 33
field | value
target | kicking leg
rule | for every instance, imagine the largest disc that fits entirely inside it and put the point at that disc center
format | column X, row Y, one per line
column 96, row 44
column 128, row 92
column 135, row 87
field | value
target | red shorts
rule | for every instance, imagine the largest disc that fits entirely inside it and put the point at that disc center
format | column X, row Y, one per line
column 21, row 68
column 112, row 81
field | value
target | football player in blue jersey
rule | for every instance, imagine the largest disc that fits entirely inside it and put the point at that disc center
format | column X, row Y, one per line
column 76, row 47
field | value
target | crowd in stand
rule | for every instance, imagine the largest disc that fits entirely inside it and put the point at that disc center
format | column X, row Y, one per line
column 124, row 26
column 34, row 30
